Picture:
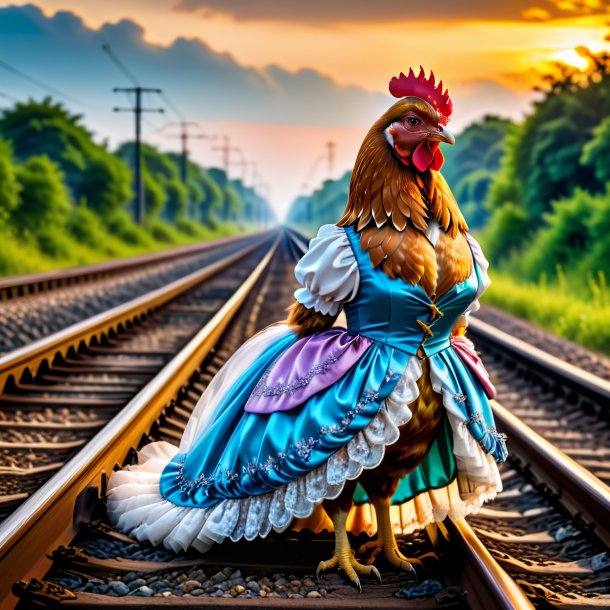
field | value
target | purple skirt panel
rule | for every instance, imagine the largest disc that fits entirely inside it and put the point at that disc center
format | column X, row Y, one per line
column 310, row 365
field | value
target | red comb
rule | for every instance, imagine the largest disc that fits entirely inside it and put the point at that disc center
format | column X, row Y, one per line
column 420, row 86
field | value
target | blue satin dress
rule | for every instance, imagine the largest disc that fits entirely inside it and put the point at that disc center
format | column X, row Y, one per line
column 242, row 454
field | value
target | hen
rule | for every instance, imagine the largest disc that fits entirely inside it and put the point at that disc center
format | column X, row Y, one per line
column 397, row 197
column 303, row 412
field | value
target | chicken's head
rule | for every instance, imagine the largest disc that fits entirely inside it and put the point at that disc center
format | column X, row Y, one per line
column 417, row 123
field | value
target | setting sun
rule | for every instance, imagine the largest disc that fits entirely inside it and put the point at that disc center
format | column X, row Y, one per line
column 572, row 58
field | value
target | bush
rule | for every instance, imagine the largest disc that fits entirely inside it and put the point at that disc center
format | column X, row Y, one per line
column 508, row 228
column 566, row 238
column 192, row 229
column 53, row 242
column 163, row 232
column 87, row 228
column 121, row 226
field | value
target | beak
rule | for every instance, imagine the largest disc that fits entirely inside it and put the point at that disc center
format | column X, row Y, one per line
column 442, row 134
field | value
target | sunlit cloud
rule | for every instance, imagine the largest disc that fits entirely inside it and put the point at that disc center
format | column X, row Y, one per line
column 535, row 13
column 571, row 57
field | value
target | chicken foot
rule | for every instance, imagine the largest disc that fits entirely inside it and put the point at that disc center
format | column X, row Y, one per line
column 386, row 541
column 343, row 556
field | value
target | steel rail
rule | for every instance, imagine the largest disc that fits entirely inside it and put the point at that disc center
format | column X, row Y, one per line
column 40, row 524
column 579, row 490
column 486, row 581
column 31, row 356
column 22, row 285
column 587, row 383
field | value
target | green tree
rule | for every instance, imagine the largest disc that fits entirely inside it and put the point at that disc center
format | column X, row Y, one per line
column 596, row 152
column 10, row 188
column 506, row 231
column 45, row 201
column 177, row 197
column 233, row 203
column 544, row 156
column 565, row 239
column 90, row 171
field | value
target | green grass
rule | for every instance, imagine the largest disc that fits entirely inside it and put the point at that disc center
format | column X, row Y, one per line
column 59, row 249
column 559, row 306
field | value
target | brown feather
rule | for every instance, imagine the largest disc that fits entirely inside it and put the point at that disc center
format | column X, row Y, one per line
column 454, row 259
column 308, row 321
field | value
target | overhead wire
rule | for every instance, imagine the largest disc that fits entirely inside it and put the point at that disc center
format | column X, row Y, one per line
column 50, row 89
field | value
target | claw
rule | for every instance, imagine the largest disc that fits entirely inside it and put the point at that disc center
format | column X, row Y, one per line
column 398, row 560
column 375, row 573
column 350, row 567
column 326, row 565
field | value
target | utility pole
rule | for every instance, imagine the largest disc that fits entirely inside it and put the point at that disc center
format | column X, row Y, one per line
column 137, row 159
column 185, row 136
column 331, row 158
column 226, row 149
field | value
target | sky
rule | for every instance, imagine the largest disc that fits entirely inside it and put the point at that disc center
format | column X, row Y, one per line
column 282, row 78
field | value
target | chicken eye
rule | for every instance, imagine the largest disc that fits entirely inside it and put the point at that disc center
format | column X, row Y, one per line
column 413, row 121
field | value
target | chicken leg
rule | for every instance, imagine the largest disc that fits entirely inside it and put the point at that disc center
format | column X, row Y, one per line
column 343, row 557
column 386, row 541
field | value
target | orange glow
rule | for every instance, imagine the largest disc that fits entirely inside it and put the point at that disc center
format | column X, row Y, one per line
column 364, row 54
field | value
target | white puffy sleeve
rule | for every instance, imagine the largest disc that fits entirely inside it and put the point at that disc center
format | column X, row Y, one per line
column 483, row 265
column 328, row 272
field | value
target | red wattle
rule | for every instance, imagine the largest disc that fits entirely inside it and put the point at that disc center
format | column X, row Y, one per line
column 439, row 159
column 422, row 156
column 428, row 155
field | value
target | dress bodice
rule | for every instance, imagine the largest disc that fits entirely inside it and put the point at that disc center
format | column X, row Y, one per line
column 402, row 315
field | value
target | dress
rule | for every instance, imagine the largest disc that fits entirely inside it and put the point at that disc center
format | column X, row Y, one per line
column 286, row 422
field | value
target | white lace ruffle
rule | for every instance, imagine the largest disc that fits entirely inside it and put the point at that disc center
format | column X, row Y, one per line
column 136, row 506
column 328, row 272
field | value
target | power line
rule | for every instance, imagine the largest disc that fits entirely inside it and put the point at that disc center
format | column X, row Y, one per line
column 175, row 110
column 8, row 96
column 119, row 64
column 310, row 174
column 137, row 109
column 38, row 83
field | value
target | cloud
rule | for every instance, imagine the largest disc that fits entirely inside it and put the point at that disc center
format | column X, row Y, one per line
column 346, row 11
column 61, row 50
column 535, row 13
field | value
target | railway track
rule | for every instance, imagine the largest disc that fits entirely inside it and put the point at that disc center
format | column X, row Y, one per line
column 44, row 421
column 35, row 306
column 494, row 560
